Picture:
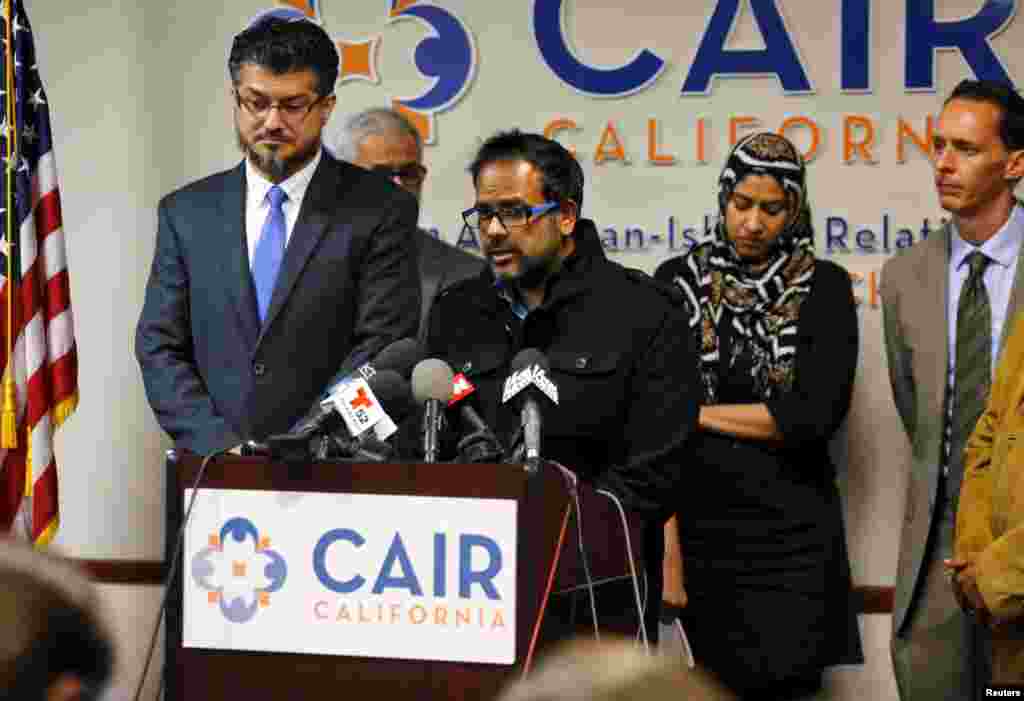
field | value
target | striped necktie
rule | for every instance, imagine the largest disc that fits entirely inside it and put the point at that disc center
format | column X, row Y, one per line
column 269, row 251
column 973, row 376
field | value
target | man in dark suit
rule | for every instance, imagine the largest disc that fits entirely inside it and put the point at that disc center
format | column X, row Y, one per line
column 384, row 141
column 268, row 276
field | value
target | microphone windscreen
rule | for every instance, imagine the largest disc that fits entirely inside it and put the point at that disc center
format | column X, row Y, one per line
column 393, row 392
column 432, row 379
column 399, row 356
column 528, row 357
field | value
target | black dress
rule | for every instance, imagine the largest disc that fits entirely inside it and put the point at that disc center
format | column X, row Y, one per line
column 764, row 550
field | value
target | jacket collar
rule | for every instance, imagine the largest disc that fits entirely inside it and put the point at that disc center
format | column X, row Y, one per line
column 572, row 280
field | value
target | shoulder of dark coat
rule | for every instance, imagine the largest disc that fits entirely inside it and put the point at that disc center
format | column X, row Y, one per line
column 474, row 286
column 452, row 255
column 211, row 186
column 669, row 269
column 669, row 292
column 831, row 272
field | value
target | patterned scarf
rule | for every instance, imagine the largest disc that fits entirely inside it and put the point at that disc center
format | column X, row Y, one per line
column 763, row 298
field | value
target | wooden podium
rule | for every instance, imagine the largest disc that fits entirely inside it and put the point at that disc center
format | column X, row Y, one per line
column 547, row 555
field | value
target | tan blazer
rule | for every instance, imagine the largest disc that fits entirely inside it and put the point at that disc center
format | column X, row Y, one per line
column 990, row 520
column 914, row 303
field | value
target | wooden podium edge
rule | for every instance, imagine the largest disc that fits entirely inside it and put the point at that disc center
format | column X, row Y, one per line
column 870, row 599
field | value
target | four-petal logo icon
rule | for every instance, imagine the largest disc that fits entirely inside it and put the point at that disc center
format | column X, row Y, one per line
column 238, row 570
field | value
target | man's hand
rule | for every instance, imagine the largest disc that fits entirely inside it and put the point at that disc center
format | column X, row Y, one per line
column 963, row 578
column 673, row 592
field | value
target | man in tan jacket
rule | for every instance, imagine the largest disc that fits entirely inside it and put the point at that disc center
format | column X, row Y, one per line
column 988, row 572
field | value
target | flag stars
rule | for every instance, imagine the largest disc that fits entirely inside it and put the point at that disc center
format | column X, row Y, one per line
column 22, row 165
column 29, row 134
column 37, row 98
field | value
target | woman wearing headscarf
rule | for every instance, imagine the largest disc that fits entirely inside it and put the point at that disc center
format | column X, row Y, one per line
column 767, row 584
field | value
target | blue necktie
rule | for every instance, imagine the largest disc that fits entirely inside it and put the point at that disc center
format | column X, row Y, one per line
column 269, row 251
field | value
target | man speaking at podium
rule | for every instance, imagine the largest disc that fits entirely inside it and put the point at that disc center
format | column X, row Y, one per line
column 267, row 276
column 617, row 343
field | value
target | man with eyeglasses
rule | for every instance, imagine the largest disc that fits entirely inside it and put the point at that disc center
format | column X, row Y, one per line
column 616, row 340
column 268, row 276
column 382, row 140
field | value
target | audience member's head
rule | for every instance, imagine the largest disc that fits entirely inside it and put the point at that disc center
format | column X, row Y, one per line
column 52, row 644
column 384, row 141
column 614, row 670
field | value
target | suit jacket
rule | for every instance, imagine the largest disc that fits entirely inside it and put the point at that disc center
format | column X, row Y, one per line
column 990, row 518
column 347, row 285
column 915, row 287
column 440, row 265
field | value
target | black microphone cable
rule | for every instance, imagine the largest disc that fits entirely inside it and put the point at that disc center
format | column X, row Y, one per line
column 171, row 574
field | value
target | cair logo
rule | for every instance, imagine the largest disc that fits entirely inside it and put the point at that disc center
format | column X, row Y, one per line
column 238, row 570
column 447, row 58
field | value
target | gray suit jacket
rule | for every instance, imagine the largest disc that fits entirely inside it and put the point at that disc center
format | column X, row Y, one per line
column 915, row 285
column 441, row 265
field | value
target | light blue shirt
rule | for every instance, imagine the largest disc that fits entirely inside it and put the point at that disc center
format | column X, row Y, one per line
column 1003, row 249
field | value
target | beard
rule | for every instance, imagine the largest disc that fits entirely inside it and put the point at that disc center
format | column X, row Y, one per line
column 268, row 160
column 533, row 272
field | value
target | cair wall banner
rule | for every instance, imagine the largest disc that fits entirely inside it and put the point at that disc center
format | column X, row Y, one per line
column 650, row 95
column 366, row 575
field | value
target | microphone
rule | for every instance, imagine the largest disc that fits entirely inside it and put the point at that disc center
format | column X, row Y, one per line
column 432, row 385
column 369, row 409
column 480, row 445
column 527, row 381
column 399, row 356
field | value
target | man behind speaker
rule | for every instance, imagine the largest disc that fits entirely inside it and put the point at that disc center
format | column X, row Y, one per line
column 266, row 277
column 53, row 646
column 384, row 141
column 946, row 305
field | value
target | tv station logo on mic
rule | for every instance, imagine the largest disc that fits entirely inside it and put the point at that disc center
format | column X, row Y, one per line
column 461, row 388
column 533, row 375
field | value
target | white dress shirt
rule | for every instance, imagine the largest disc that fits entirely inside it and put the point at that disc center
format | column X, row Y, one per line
column 257, row 207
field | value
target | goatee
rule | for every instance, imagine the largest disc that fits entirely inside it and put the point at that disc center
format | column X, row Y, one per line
column 269, row 162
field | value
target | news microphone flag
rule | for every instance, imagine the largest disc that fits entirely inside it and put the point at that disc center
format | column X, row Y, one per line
column 361, row 410
column 38, row 358
column 461, row 388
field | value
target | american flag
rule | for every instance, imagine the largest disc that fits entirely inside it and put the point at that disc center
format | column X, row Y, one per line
column 42, row 359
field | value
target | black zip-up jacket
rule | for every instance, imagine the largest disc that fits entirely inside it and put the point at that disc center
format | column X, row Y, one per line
column 621, row 355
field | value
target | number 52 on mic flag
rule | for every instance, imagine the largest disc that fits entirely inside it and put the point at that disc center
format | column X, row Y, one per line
column 361, row 411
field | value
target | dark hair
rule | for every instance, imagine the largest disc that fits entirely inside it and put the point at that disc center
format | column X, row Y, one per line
column 1006, row 98
column 562, row 174
column 284, row 46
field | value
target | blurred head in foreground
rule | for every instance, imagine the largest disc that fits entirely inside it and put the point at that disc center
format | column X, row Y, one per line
column 613, row 670
column 52, row 644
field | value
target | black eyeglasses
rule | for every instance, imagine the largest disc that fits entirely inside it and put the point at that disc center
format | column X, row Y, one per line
column 294, row 111
column 510, row 217
column 410, row 174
